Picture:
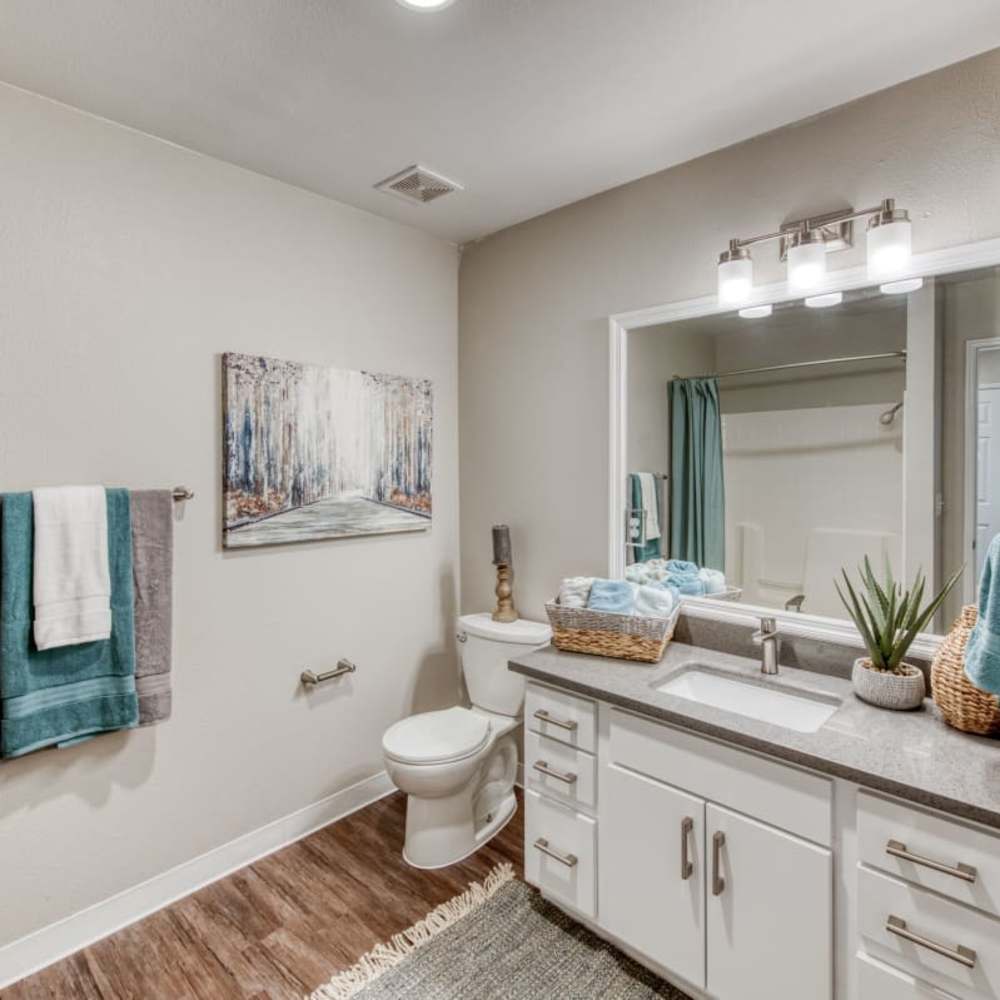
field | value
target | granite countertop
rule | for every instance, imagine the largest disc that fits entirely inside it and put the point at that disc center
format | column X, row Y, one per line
column 914, row 755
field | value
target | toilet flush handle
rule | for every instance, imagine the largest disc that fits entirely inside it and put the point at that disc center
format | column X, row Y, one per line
column 461, row 636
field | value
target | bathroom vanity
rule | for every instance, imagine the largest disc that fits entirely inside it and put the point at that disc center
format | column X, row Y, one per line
column 762, row 838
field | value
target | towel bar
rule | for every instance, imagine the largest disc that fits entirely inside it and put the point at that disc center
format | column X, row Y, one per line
column 310, row 678
column 182, row 493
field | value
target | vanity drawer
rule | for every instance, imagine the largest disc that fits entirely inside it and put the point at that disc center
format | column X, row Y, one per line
column 560, row 852
column 971, row 856
column 781, row 796
column 877, row 981
column 560, row 771
column 937, row 921
column 565, row 717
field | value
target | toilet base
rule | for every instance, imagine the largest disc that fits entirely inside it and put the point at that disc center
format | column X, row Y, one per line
column 503, row 817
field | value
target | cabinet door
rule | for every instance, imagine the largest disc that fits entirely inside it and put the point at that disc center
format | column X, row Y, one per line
column 652, row 870
column 770, row 912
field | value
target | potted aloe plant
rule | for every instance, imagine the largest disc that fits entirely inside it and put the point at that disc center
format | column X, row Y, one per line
column 889, row 619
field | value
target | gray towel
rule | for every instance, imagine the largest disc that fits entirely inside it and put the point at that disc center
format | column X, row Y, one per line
column 152, row 573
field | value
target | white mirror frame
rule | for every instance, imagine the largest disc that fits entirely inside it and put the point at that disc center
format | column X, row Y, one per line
column 985, row 253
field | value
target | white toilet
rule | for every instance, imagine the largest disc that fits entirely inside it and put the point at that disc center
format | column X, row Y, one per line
column 458, row 766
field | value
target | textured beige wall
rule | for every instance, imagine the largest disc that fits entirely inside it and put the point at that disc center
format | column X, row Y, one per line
column 127, row 266
column 534, row 299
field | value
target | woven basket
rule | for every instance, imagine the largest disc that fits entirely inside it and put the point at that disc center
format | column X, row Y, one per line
column 603, row 633
column 963, row 705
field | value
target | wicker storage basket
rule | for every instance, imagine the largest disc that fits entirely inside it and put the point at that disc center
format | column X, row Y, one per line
column 602, row 633
column 963, row 705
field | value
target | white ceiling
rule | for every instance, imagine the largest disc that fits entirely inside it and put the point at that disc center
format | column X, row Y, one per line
column 530, row 104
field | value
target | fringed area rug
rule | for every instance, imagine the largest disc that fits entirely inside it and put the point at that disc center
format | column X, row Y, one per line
column 498, row 939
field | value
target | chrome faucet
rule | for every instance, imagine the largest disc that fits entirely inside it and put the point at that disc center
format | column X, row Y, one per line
column 768, row 639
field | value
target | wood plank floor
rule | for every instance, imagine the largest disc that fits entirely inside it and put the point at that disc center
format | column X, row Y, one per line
column 278, row 928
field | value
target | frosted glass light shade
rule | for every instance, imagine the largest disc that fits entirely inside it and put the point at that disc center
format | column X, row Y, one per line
column 889, row 249
column 756, row 312
column 806, row 266
column 735, row 281
column 824, row 301
column 901, row 287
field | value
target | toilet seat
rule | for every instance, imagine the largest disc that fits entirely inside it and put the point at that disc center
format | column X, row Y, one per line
column 437, row 737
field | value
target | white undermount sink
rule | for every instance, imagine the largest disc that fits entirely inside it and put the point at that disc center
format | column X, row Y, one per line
column 802, row 712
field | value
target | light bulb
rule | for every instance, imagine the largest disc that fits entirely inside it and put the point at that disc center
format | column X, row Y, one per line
column 756, row 312
column 901, row 287
column 889, row 242
column 825, row 301
column 735, row 276
column 806, row 261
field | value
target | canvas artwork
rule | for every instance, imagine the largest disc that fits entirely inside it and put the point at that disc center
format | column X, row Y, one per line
column 313, row 452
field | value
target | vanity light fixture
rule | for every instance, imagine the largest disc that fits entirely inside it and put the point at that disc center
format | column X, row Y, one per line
column 804, row 244
column 901, row 287
column 825, row 301
column 425, row 4
column 756, row 312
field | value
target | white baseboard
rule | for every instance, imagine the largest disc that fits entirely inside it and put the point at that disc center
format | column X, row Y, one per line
column 35, row 951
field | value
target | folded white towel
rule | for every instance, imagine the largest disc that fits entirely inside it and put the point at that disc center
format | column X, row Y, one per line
column 647, row 486
column 714, row 580
column 654, row 602
column 72, row 580
column 574, row 591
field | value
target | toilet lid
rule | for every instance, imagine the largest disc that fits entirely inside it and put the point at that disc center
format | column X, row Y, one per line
column 435, row 737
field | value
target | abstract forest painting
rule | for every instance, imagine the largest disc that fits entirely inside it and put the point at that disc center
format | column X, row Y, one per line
column 313, row 452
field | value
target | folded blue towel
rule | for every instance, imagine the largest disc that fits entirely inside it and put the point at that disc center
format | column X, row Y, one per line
column 684, row 583
column 982, row 654
column 67, row 694
column 681, row 567
column 612, row 595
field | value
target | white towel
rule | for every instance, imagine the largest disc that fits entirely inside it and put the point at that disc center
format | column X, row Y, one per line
column 647, row 485
column 714, row 580
column 574, row 592
column 72, row 580
column 654, row 602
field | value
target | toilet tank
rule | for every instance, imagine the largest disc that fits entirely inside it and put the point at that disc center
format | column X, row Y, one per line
column 485, row 647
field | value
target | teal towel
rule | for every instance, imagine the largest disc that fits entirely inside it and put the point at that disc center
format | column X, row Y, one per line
column 982, row 654
column 63, row 695
column 612, row 595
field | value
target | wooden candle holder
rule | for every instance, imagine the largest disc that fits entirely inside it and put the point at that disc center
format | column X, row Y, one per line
column 505, row 610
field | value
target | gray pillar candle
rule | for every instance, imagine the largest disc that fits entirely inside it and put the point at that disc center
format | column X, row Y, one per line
column 501, row 545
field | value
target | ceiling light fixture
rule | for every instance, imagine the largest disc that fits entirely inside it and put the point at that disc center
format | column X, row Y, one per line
column 825, row 301
column 804, row 244
column 756, row 312
column 425, row 4
column 901, row 287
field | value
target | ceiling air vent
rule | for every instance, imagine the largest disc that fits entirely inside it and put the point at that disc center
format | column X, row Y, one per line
column 418, row 184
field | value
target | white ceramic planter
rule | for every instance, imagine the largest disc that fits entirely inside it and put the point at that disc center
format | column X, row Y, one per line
column 901, row 692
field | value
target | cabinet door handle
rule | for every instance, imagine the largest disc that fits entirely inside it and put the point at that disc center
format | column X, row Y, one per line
column 569, row 860
column 687, row 825
column 544, row 716
column 898, row 850
column 962, row 955
column 542, row 767
column 718, row 882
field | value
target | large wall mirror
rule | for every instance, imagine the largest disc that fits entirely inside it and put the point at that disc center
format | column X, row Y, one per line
column 775, row 450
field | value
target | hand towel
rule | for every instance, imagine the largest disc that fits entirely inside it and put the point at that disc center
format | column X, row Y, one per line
column 650, row 504
column 714, row 580
column 651, row 548
column 686, row 584
column 574, row 591
column 152, row 513
column 612, row 595
column 982, row 654
column 681, row 566
column 72, row 585
column 655, row 601
column 63, row 695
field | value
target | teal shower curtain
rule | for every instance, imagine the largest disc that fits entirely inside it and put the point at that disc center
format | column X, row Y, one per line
column 697, row 490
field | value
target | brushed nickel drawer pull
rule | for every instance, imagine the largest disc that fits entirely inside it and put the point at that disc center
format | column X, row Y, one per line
column 310, row 678
column 542, row 767
column 898, row 850
column 962, row 955
column 544, row 716
column 569, row 860
column 718, row 882
column 687, row 868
